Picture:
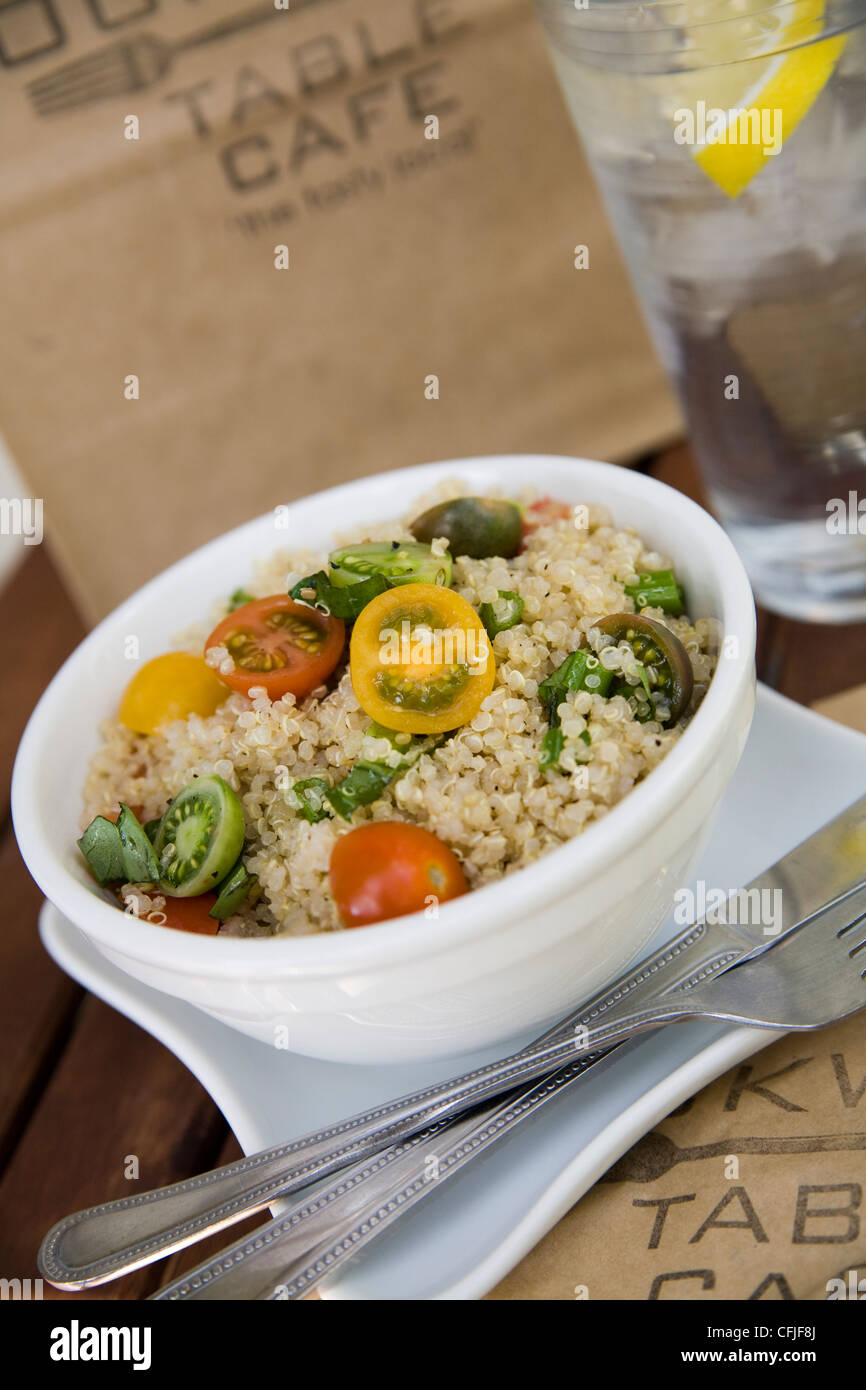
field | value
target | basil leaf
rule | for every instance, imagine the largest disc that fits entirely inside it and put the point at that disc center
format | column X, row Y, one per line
column 340, row 603
column 140, row 864
column 101, row 846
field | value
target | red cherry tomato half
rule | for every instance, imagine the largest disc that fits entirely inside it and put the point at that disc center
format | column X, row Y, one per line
column 186, row 914
column 286, row 647
column 544, row 512
column 387, row 869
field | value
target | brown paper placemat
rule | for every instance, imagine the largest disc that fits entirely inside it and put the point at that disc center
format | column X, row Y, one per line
column 408, row 258
column 848, row 708
column 710, row 1204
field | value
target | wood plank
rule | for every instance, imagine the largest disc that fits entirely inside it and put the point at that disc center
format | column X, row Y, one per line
column 37, row 1001
column 849, row 708
column 811, row 661
column 676, row 466
column 115, row 1092
column 40, row 628
column 69, row 1114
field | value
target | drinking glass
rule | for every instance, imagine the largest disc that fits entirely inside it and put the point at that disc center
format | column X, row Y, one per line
column 729, row 141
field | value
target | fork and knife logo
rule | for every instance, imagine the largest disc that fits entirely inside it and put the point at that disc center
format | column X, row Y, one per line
column 655, row 1155
column 133, row 64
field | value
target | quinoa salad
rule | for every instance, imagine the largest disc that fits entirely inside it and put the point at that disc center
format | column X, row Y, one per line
column 442, row 700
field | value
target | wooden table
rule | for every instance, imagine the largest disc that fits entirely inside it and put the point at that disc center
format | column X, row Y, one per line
column 82, row 1087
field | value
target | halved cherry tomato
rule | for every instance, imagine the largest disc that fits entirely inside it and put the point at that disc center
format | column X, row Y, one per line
column 421, row 659
column 170, row 687
column 287, row 647
column 387, row 869
column 544, row 512
column 186, row 914
column 666, row 662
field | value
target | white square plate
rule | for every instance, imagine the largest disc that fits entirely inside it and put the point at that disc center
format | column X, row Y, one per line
column 798, row 771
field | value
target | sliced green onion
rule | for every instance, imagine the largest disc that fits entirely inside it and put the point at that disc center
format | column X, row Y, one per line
column 551, row 748
column 581, row 670
column 311, row 793
column 364, row 784
column 368, row 779
column 552, row 745
column 234, row 888
column 102, row 848
column 506, row 612
column 657, row 589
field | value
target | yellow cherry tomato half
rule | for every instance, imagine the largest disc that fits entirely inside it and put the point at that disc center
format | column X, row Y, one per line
column 170, row 687
column 421, row 661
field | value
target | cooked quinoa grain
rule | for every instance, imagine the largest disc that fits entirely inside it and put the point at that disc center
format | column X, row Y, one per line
column 481, row 791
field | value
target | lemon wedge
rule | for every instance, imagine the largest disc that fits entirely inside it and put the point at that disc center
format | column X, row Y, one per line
column 784, row 87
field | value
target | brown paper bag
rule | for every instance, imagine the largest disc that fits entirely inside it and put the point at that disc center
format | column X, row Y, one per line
column 168, row 371
column 752, row 1190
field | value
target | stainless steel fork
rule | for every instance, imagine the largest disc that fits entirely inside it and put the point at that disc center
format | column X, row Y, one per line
column 813, row 977
column 103, row 1242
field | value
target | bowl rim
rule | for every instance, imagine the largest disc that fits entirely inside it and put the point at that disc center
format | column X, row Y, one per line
column 400, row 939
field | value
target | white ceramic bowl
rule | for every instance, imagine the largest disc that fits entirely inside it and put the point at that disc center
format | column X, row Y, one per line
column 497, row 962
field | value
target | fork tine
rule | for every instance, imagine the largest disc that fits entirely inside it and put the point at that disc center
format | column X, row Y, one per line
column 80, row 68
column 69, row 91
column 61, row 99
column 842, row 914
column 88, row 96
column 802, row 981
column 851, row 925
column 858, row 942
